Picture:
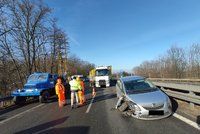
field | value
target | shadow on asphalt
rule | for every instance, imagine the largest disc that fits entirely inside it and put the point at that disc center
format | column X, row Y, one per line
column 11, row 108
column 52, row 99
column 15, row 107
column 174, row 104
column 104, row 97
column 198, row 120
column 68, row 130
column 44, row 126
column 2, row 118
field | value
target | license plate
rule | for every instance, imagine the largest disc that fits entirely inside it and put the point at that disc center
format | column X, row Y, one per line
column 156, row 112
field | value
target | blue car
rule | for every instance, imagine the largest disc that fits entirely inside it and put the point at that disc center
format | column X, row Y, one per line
column 39, row 85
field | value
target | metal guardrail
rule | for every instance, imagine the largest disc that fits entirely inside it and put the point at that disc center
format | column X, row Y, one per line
column 6, row 98
column 189, row 93
column 6, row 101
column 175, row 80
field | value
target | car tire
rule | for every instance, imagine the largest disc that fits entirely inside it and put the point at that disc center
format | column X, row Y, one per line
column 123, row 107
column 44, row 97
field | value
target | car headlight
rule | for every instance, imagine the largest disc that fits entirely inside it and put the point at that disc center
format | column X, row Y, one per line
column 134, row 106
column 169, row 104
column 137, row 108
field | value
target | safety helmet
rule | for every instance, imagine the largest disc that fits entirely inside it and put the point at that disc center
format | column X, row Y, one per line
column 78, row 79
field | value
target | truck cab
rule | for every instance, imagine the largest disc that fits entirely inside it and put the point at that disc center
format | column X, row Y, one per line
column 102, row 76
column 39, row 85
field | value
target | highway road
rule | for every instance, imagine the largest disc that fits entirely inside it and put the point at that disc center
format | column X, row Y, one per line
column 97, row 117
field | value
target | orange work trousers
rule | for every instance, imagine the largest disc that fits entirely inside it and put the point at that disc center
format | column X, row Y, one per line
column 61, row 99
column 81, row 97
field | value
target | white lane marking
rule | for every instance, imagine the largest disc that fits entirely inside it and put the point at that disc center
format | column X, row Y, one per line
column 89, row 107
column 191, row 123
column 17, row 115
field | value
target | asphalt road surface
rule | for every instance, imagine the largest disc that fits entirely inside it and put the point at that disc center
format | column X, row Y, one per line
column 97, row 117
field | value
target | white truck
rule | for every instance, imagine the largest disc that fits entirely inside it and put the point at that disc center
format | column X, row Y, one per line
column 101, row 75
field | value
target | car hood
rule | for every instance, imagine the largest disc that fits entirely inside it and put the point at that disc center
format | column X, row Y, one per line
column 144, row 99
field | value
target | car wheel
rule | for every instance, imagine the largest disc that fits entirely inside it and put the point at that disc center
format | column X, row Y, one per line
column 44, row 97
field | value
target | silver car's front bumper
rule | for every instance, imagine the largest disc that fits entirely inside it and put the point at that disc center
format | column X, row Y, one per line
column 152, row 117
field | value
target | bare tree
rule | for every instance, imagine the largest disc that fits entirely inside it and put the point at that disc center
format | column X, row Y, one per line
column 7, row 47
column 171, row 65
column 178, row 61
column 194, row 61
column 27, row 22
column 59, row 49
column 3, row 8
column 78, row 66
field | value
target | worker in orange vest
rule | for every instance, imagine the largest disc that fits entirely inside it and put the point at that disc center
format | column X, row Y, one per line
column 81, row 92
column 60, row 92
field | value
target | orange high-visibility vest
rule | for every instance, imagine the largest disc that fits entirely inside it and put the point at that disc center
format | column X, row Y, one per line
column 60, row 91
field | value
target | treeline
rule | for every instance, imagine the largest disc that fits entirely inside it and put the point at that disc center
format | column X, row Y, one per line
column 31, row 41
column 177, row 62
column 78, row 66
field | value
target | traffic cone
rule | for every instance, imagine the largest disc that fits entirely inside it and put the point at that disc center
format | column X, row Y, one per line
column 93, row 92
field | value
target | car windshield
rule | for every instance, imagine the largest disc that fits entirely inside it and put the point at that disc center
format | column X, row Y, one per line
column 41, row 77
column 32, row 78
column 102, row 72
column 139, row 86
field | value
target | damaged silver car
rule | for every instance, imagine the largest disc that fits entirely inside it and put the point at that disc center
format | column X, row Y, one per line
column 139, row 98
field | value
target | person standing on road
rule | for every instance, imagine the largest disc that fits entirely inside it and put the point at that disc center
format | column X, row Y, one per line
column 60, row 92
column 81, row 91
column 74, row 87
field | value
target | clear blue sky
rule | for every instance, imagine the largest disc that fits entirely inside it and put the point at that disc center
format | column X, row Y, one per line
column 124, row 33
